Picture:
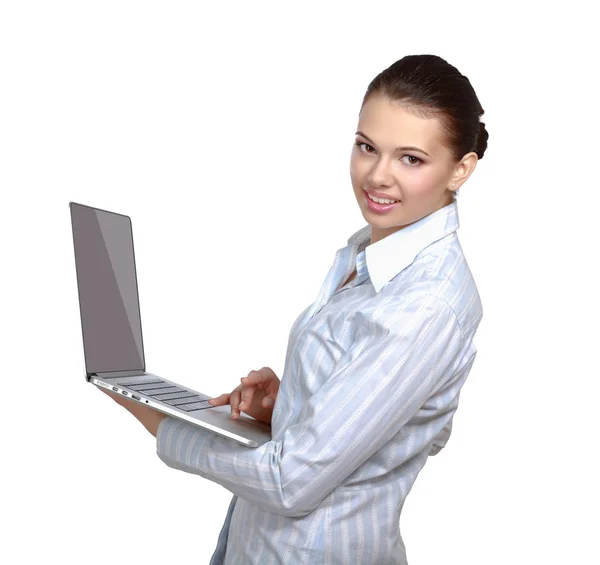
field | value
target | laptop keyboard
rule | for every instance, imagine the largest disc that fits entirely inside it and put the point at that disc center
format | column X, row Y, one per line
column 173, row 395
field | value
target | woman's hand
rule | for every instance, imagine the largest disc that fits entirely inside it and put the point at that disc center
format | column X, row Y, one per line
column 149, row 417
column 256, row 395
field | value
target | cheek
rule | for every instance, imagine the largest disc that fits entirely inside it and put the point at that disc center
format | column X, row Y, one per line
column 422, row 183
column 357, row 171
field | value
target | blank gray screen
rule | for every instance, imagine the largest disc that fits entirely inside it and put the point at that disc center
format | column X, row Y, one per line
column 108, row 294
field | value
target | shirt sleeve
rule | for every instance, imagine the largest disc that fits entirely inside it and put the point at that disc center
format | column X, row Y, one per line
column 400, row 356
column 442, row 438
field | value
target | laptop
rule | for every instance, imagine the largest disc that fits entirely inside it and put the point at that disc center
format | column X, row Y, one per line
column 112, row 329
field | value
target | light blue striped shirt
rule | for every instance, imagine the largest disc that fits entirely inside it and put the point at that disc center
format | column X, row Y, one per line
column 372, row 378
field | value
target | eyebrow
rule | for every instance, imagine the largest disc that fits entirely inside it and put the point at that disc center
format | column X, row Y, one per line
column 410, row 148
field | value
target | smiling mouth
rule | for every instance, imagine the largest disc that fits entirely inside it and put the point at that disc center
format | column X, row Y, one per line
column 381, row 203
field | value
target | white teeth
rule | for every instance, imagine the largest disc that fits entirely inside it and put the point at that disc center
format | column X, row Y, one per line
column 381, row 200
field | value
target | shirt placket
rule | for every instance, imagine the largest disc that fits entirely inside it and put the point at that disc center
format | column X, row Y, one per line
column 322, row 296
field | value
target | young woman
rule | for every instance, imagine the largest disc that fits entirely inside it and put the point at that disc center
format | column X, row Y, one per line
column 374, row 367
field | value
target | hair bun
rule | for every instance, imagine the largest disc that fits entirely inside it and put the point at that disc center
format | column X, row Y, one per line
column 481, row 140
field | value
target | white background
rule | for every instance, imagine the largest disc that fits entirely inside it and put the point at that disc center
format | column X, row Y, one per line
column 224, row 130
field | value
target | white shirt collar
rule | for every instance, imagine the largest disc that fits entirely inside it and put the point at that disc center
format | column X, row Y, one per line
column 392, row 254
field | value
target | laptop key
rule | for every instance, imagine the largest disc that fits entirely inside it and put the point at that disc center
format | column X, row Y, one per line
column 195, row 406
column 142, row 383
column 158, row 390
column 175, row 395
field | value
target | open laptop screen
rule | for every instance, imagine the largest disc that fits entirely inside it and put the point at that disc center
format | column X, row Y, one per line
column 108, row 293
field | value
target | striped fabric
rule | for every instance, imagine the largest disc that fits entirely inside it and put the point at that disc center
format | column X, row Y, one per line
column 371, row 382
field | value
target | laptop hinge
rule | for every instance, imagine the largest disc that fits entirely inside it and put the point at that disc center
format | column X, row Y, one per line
column 119, row 374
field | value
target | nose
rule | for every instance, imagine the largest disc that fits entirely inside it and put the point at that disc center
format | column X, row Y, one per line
column 380, row 173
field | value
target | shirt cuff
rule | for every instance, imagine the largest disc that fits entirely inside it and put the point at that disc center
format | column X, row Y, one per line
column 189, row 455
column 167, row 448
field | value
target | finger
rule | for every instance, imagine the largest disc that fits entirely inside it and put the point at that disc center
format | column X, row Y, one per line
column 268, row 401
column 247, row 396
column 234, row 401
column 219, row 400
column 255, row 378
column 272, row 389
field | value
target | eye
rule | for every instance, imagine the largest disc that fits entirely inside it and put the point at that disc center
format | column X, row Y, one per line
column 413, row 157
column 359, row 143
column 413, row 163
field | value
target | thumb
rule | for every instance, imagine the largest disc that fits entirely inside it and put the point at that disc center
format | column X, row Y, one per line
column 268, row 401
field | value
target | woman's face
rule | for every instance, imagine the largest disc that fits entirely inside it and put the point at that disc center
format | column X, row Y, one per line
column 420, row 177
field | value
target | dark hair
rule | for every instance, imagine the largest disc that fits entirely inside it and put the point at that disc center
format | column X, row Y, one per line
column 431, row 87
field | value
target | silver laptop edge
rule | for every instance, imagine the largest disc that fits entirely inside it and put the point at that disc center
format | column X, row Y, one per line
column 220, row 411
